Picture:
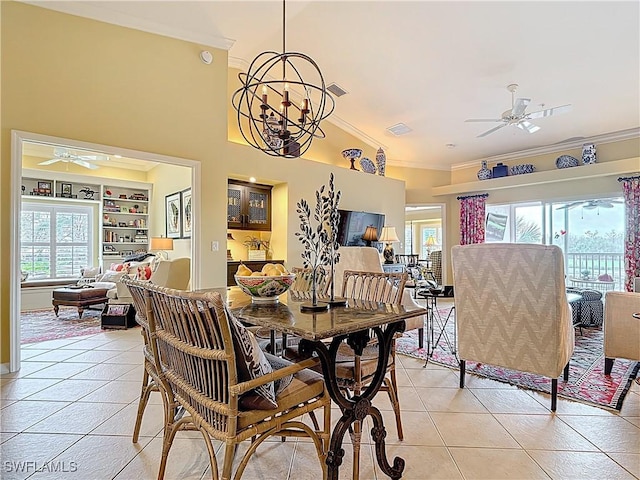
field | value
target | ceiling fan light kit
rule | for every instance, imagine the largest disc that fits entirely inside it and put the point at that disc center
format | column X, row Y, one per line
column 517, row 115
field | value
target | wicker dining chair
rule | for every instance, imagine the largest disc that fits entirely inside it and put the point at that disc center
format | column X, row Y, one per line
column 355, row 372
column 150, row 380
column 192, row 340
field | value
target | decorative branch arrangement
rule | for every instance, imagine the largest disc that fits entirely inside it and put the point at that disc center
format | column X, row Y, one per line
column 318, row 235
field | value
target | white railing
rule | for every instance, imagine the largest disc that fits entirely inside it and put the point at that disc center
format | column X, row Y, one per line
column 597, row 264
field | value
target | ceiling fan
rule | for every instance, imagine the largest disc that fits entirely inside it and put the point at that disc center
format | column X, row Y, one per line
column 68, row 156
column 517, row 115
column 591, row 204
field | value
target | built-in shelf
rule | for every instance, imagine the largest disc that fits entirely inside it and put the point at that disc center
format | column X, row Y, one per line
column 616, row 167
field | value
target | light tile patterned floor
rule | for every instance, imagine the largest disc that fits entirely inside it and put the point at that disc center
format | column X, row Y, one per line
column 74, row 402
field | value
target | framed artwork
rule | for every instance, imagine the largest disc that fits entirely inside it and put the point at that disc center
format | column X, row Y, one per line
column 66, row 189
column 185, row 201
column 173, row 215
column 44, row 185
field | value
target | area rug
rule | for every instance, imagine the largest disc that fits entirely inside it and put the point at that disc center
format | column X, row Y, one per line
column 587, row 382
column 41, row 325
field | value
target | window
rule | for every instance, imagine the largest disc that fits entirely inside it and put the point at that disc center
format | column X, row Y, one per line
column 589, row 232
column 55, row 240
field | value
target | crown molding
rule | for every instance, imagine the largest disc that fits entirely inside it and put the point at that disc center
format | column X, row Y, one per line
column 554, row 148
column 101, row 14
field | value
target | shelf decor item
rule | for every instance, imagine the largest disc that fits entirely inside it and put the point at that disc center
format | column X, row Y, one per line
column 566, row 161
column 367, row 165
column 500, row 170
column 588, row 154
column 352, row 154
column 522, row 169
column 484, row 173
column 381, row 161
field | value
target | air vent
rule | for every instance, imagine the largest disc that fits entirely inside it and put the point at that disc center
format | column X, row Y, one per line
column 399, row 129
column 336, row 90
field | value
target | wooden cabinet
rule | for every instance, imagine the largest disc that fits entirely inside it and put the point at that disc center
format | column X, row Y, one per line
column 254, row 265
column 125, row 222
column 248, row 206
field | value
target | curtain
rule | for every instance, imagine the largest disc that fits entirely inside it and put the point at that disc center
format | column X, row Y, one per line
column 472, row 213
column 631, row 193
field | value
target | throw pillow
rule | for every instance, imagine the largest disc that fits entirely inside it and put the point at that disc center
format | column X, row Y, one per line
column 142, row 272
column 110, row 276
column 89, row 272
column 120, row 267
column 251, row 363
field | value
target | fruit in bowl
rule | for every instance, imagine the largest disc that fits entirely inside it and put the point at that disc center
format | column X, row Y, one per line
column 266, row 285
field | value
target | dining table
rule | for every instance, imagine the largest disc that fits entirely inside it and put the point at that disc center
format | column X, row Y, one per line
column 320, row 334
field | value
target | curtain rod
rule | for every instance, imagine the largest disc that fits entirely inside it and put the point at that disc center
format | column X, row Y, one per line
column 622, row 179
column 473, row 196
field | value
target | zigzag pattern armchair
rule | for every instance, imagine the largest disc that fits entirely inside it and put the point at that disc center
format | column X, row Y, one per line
column 512, row 309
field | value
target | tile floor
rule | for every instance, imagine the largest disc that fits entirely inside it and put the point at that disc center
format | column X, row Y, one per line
column 74, row 401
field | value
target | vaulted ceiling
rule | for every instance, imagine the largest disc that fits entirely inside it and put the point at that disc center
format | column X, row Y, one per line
column 431, row 65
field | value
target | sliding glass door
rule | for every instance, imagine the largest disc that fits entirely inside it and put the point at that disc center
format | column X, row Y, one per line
column 589, row 232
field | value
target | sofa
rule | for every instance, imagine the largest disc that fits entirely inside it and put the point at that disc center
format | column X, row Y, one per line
column 174, row 273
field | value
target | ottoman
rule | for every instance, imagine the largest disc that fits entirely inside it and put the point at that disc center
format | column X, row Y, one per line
column 78, row 297
column 590, row 311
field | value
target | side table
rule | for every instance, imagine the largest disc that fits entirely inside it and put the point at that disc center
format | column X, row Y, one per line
column 437, row 323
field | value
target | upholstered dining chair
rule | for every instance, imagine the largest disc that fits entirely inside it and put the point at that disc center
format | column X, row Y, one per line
column 355, row 372
column 621, row 328
column 209, row 363
column 512, row 309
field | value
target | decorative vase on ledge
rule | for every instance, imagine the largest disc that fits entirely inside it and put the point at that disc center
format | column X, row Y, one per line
column 484, row 173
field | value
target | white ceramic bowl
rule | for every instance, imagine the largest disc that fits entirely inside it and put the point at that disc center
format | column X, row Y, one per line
column 265, row 289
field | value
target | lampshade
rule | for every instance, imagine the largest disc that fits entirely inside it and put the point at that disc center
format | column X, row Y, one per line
column 430, row 241
column 161, row 243
column 389, row 235
column 370, row 234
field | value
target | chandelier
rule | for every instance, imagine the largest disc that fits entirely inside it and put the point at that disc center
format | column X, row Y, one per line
column 282, row 116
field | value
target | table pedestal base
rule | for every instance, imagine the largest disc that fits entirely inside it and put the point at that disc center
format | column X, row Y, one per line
column 357, row 408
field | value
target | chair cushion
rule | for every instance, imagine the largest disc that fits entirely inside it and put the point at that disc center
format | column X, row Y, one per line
column 304, row 386
column 251, row 363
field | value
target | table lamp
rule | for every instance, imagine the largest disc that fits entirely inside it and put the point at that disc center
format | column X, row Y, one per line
column 162, row 244
column 429, row 244
column 370, row 235
column 389, row 236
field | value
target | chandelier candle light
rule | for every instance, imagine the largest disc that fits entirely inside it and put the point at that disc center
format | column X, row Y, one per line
column 267, row 117
column 389, row 236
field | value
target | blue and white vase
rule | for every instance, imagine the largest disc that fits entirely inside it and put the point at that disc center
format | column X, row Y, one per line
column 381, row 161
column 484, row 173
column 588, row 154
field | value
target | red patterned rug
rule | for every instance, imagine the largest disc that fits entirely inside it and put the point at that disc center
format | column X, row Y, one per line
column 41, row 325
column 587, row 382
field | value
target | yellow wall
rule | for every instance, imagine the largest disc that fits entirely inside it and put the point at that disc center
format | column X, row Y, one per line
column 77, row 78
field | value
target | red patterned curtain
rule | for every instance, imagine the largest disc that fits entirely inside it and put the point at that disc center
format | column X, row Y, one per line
column 472, row 213
column 631, row 192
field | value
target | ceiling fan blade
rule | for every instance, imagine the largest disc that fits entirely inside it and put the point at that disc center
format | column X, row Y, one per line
column 570, row 205
column 547, row 112
column 527, row 126
column 101, row 158
column 50, row 161
column 484, row 120
column 82, row 163
column 520, row 106
column 492, row 130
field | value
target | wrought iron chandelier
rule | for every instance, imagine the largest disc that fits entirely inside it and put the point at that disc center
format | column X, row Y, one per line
column 268, row 117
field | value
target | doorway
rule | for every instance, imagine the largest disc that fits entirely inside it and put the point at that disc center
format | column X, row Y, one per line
column 424, row 231
column 57, row 150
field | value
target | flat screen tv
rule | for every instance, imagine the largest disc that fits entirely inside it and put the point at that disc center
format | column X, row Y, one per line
column 352, row 226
